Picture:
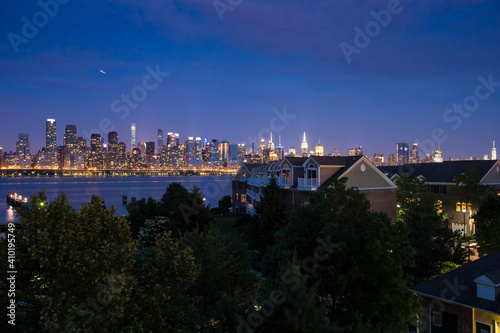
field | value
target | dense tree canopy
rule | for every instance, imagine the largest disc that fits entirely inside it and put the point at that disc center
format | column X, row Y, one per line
column 488, row 224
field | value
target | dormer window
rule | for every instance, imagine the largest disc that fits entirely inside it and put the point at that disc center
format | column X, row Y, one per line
column 488, row 285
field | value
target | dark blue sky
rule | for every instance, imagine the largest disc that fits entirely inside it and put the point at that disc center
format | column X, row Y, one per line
column 226, row 76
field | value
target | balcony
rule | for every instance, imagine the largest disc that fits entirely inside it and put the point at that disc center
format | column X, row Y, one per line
column 285, row 182
column 308, row 184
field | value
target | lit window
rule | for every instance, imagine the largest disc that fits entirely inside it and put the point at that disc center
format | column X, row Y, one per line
column 243, row 198
column 459, row 207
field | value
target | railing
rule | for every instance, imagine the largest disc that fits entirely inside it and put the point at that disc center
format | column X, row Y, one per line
column 285, row 182
column 308, row 183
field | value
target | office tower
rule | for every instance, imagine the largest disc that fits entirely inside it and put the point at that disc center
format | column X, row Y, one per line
column 280, row 150
column 173, row 139
column 319, row 151
column 142, row 148
column 23, row 146
column 121, row 155
column 70, row 136
column 378, row 159
column 392, row 159
column 335, row 152
column 304, row 147
column 242, row 150
column 233, row 151
column 132, row 141
column 357, row 151
column 81, row 143
column 271, row 143
column 292, row 151
column 403, row 154
column 262, row 146
column 96, row 149
column 50, row 134
column 414, row 155
column 438, row 156
column 253, row 147
column 160, row 140
column 224, row 150
column 150, row 151
column 493, row 152
column 198, row 149
column 113, row 141
column 214, row 151
column 485, row 157
column 189, row 144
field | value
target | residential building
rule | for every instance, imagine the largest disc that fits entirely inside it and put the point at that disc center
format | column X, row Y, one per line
column 466, row 299
column 440, row 177
column 298, row 177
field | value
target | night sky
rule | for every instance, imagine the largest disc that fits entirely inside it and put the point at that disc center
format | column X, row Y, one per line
column 348, row 73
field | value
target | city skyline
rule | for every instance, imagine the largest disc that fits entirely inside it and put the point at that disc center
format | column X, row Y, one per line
column 425, row 72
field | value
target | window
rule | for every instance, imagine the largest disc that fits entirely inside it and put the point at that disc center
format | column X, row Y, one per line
column 236, row 196
column 437, row 319
column 243, row 198
column 482, row 328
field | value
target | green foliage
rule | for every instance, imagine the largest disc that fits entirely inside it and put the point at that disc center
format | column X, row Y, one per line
column 225, row 204
column 163, row 300
column 225, row 284
column 73, row 265
column 488, row 225
column 186, row 210
column 152, row 229
column 347, row 267
column 139, row 211
column 426, row 231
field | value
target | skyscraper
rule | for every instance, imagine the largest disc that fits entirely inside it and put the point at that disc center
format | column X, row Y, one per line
column 304, row 147
column 402, row 153
column 113, row 141
column 414, row 155
column 357, row 151
column 160, row 140
column 271, row 143
column 493, row 152
column 50, row 134
column 70, row 136
column 96, row 148
column 319, row 151
column 23, row 146
column 214, row 151
column 132, row 141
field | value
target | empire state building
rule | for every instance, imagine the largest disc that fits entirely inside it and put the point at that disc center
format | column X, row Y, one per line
column 304, row 147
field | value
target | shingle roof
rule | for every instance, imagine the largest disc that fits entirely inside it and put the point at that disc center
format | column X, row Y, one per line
column 296, row 161
column 444, row 172
column 250, row 166
column 336, row 160
column 458, row 285
column 494, row 276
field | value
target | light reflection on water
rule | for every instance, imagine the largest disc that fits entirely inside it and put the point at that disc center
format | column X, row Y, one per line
column 111, row 189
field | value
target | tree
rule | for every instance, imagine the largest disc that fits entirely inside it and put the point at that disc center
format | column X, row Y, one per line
column 73, row 266
column 469, row 190
column 163, row 300
column 186, row 210
column 140, row 211
column 427, row 231
column 225, row 284
column 348, row 267
column 225, row 204
column 488, row 225
column 271, row 217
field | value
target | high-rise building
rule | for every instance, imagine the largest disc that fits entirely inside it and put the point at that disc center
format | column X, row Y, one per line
column 393, row 160
column 335, row 152
column 70, row 136
column 438, row 156
column 173, row 139
column 242, row 150
column 414, row 155
column 113, row 141
column 214, row 151
column 270, row 145
column 132, row 140
column 262, row 146
column 189, row 144
column 224, row 150
column 280, row 150
column 150, row 151
column 51, row 134
column 23, row 146
column 357, row 151
column 96, row 151
column 292, row 151
column 493, row 152
column 304, row 147
column 319, row 151
column 160, row 140
column 403, row 154
column 233, row 151
column 378, row 159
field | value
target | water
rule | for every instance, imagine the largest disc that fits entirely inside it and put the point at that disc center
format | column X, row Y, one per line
column 111, row 189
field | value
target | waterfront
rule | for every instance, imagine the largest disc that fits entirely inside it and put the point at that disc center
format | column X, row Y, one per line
column 111, row 189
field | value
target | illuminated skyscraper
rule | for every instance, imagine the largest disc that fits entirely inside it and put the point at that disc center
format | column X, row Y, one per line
column 70, row 136
column 50, row 134
column 224, row 150
column 160, row 140
column 133, row 143
column 271, row 143
column 23, row 146
column 292, row 151
column 319, row 151
column 402, row 153
column 304, row 147
column 357, row 151
column 414, row 155
column 493, row 152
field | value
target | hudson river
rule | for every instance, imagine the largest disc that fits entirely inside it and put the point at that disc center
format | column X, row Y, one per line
column 111, row 189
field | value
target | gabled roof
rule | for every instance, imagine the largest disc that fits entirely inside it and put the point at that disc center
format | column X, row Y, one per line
column 457, row 286
column 494, row 276
column 335, row 160
column 250, row 166
column 444, row 172
column 295, row 161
